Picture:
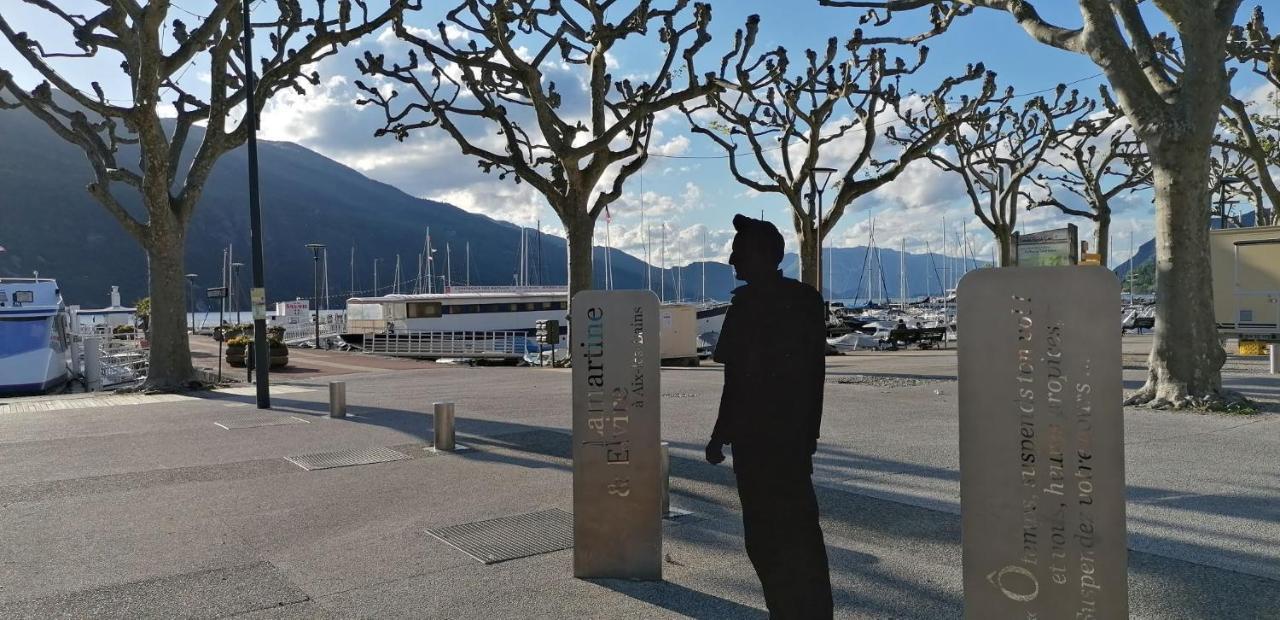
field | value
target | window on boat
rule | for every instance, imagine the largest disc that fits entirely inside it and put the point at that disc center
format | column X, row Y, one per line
column 23, row 335
column 423, row 309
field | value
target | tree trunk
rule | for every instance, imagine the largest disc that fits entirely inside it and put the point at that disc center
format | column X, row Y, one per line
column 580, row 233
column 170, row 365
column 1186, row 357
column 810, row 245
column 1008, row 253
column 1102, row 238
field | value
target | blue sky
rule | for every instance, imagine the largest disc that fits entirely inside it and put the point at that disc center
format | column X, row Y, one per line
column 686, row 186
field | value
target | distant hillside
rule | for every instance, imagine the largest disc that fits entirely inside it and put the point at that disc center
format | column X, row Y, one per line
column 49, row 223
column 1147, row 252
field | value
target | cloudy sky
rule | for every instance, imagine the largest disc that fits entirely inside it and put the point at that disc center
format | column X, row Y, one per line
column 686, row 188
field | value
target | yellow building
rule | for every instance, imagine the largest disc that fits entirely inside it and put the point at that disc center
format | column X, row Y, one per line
column 1246, row 281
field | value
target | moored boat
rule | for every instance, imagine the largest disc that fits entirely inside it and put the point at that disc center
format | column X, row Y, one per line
column 34, row 336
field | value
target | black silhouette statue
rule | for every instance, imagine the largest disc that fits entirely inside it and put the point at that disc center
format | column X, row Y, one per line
column 772, row 346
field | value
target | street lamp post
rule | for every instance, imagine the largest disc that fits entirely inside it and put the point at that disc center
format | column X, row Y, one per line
column 191, row 299
column 235, row 275
column 258, row 295
column 815, row 211
column 316, row 248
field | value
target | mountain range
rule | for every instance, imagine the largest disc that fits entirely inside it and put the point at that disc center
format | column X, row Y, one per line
column 51, row 225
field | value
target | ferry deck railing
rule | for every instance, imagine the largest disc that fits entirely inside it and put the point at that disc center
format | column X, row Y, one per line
column 479, row 344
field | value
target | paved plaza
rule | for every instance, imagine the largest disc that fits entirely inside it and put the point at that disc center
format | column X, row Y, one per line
column 186, row 505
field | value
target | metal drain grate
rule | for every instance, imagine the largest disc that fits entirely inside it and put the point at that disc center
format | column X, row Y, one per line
column 346, row 458
column 256, row 422
column 509, row 538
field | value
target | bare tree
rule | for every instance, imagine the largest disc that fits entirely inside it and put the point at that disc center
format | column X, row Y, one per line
column 1245, row 136
column 477, row 80
column 1174, row 112
column 995, row 151
column 156, row 51
column 1232, row 177
column 792, row 121
column 1097, row 158
column 1255, row 47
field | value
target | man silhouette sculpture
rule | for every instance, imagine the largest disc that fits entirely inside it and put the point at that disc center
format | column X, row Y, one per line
column 773, row 347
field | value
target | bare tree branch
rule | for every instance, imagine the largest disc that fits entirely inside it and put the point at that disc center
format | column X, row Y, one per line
column 84, row 116
column 793, row 118
column 484, row 78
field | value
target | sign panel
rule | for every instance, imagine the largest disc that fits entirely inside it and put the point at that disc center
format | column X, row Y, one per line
column 1049, row 248
column 617, row 528
column 217, row 292
column 1042, row 444
column 300, row 307
column 258, row 297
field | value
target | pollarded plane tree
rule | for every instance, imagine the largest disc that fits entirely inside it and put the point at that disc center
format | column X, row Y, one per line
column 163, row 120
column 1174, row 114
column 995, row 151
column 827, row 111
column 1095, row 160
column 1257, row 134
column 485, row 74
column 1233, row 179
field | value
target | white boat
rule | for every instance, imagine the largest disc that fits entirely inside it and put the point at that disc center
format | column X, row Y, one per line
column 710, row 323
column 460, row 310
column 34, row 336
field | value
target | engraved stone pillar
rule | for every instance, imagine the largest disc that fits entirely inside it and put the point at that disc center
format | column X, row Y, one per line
column 1042, row 493
column 617, row 526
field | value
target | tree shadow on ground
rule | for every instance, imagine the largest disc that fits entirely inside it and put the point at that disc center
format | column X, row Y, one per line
column 932, row 535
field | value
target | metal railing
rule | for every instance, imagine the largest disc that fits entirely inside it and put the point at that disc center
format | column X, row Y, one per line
column 121, row 358
column 331, row 326
column 492, row 345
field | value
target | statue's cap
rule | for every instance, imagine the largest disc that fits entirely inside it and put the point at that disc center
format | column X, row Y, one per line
column 762, row 236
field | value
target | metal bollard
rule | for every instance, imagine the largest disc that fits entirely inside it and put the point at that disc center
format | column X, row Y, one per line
column 664, row 474
column 444, row 427
column 337, row 399
column 92, row 363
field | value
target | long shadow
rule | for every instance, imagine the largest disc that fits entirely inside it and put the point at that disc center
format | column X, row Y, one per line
column 845, row 513
column 681, row 600
column 1245, row 507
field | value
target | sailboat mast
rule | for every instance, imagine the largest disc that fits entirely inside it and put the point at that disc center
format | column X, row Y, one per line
column 1130, row 266
column 662, row 271
column 468, row 263
column 448, row 267
column 396, row 284
column 417, row 283
column 608, row 259
column 704, row 265
column 902, row 274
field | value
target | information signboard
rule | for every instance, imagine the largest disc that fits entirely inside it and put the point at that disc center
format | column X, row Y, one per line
column 617, row 528
column 1049, row 248
column 1042, row 491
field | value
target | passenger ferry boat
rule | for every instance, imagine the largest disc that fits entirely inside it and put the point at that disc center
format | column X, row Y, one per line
column 34, row 336
column 459, row 310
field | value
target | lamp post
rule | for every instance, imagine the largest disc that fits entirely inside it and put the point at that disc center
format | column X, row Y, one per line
column 235, row 277
column 258, row 296
column 316, row 248
column 191, row 299
column 815, row 211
